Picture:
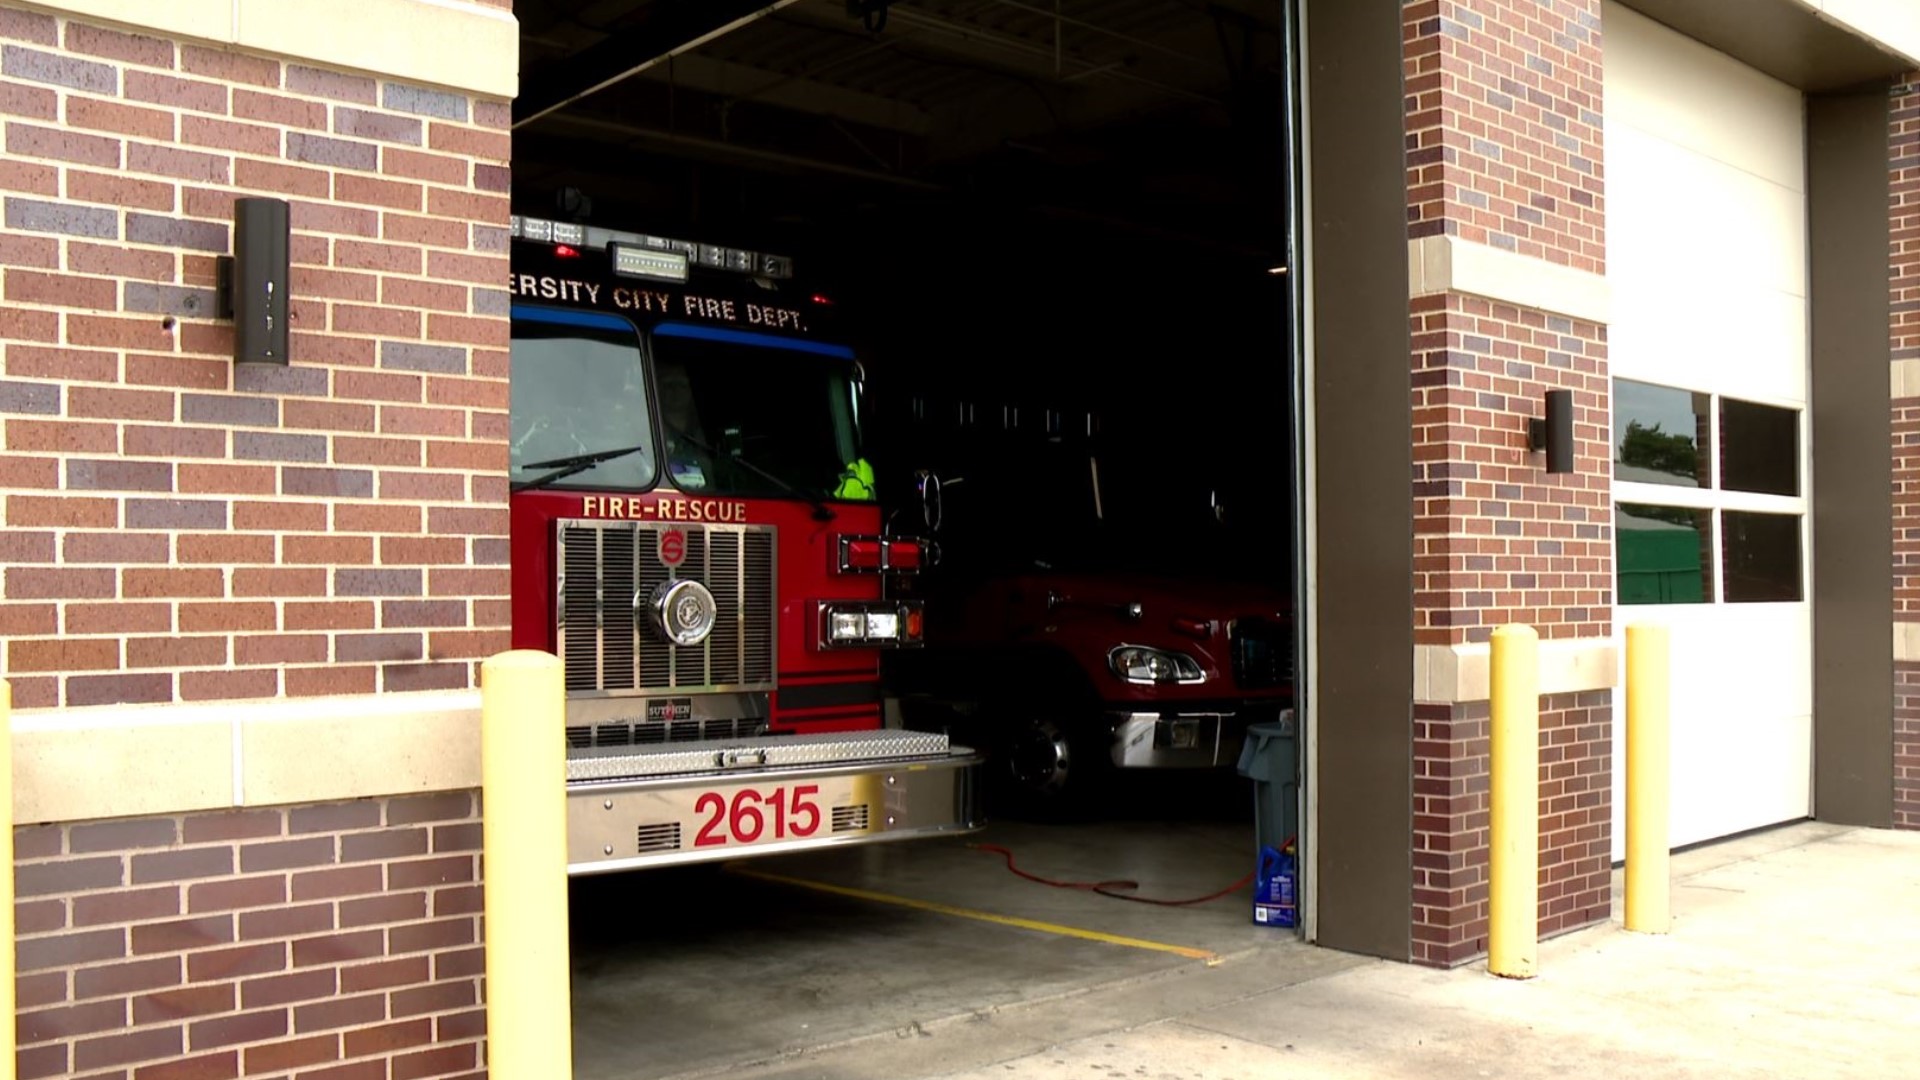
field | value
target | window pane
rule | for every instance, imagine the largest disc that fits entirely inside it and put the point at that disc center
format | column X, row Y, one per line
column 576, row 386
column 1659, row 435
column 1759, row 448
column 1661, row 554
column 1762, row 557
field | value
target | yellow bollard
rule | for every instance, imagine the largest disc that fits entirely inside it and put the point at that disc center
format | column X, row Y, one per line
column 1648, row 852
column 7, row 1000
column 523, row 775
column 1513, row 858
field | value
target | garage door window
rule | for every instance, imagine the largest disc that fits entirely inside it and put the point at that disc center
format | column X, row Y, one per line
column 1710, row 498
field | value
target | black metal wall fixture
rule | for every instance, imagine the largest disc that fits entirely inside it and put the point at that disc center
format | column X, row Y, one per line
column 1554, row 432
column 254, row 281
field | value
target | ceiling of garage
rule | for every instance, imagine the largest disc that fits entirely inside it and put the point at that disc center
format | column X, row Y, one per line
column 1156, row 115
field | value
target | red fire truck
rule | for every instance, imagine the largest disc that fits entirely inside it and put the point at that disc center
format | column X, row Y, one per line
column 694, row 534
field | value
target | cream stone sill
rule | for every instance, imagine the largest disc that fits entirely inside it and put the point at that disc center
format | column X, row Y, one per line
column 1447, row 264
column 1456, row 674
column 445, row 43
column 137, row 760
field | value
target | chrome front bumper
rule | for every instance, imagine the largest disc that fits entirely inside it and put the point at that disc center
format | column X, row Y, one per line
column 1170, row 739
column 635, row 807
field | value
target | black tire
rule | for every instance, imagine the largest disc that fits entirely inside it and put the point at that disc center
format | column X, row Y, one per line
column 1048, row 765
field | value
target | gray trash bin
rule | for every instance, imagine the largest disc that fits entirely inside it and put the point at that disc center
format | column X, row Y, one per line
column 1271, row 759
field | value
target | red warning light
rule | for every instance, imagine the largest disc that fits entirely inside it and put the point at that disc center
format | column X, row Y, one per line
column 822, row 299
column 566, row 251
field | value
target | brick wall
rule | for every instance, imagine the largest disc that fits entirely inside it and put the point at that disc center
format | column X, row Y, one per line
column 174, row 527
column 1451, row 806
column 1906, row 746
column 1497, row 539
column 1504, row 134
column 1504, row 127
column 333, row 942
column 1904, row 155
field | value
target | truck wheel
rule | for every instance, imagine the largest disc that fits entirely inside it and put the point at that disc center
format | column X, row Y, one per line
column 1050, row 767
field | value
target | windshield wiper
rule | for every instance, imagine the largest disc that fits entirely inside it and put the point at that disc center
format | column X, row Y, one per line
column 821, row 511
column 577, row 463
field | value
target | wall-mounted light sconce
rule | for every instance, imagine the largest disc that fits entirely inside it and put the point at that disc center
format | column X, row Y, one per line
column 1554, row 434
column 255, row 281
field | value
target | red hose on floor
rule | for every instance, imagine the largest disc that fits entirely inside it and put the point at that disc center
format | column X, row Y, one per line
column 1106, row 888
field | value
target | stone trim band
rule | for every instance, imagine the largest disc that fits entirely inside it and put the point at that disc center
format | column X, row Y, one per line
column 477, row 48
column 1442, row 264
column 140, row 760
column 1455, row 674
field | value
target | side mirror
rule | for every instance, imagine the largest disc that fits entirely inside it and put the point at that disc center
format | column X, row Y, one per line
column 930, row 499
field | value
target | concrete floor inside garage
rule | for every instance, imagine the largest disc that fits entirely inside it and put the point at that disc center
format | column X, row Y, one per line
column 703, row 969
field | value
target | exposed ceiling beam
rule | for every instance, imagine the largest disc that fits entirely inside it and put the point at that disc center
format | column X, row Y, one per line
column 1137, row 42
column 740, row 82
column 737, row 153
column 1234, row 240
column 664, row 30
column 1047, row 56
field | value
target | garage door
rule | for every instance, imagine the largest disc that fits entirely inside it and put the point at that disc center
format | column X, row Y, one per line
column 1706, row 226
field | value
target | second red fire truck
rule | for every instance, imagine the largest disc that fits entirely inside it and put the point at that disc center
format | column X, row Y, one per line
column 694, row 533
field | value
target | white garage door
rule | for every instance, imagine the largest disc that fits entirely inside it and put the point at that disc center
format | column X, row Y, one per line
column 1706, row 256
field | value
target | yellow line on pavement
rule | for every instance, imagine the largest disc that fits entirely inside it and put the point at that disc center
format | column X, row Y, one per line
column 1211, row 958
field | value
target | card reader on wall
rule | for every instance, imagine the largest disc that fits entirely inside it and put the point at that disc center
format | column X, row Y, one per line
column 255, row 281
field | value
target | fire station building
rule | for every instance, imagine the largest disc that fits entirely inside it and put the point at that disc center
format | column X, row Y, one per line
column 244, row 605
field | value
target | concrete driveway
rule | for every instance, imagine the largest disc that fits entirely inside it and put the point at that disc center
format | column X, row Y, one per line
column 1794, row 952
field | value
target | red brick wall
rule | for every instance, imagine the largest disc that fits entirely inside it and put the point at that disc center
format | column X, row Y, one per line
column 1503, row 103
column 1497, row 539
column 174, row 527
column 1450, row 805
column 334, row 942
column 1906, row 746
column 1904, row 153
column 1504, row 128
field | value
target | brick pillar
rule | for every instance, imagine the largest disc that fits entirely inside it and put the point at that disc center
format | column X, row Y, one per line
column 177, row 528
column 1904, row 155
column 1504, row 136
column 214, row 880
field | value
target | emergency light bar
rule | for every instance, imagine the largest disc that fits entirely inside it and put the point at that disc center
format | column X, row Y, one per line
column 644, row 255
column 630, row 261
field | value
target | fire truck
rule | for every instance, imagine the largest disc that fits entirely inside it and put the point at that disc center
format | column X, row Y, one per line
column 695, row 534
column 1122, row 627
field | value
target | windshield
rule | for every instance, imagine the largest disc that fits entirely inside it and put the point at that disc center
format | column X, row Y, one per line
column 753, row 414
column 577, row 387
column 1149, row 516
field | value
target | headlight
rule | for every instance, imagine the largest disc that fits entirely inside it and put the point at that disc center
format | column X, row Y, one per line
column 883, row 625
column 860, row 624
column 1139, row 664
column 847, row 625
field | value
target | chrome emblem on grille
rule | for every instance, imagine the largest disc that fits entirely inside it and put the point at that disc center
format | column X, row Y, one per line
column 683, row 611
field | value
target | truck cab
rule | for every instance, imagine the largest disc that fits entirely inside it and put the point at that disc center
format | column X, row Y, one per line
column 1088, row 613
column 691, row 514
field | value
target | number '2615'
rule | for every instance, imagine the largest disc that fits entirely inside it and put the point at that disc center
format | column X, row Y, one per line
column 794, row 812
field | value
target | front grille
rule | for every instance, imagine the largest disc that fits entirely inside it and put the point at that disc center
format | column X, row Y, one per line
column 660, row 837
column 608, row 570
column 1262, row 653
column 850, row 818
column 660, row 732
